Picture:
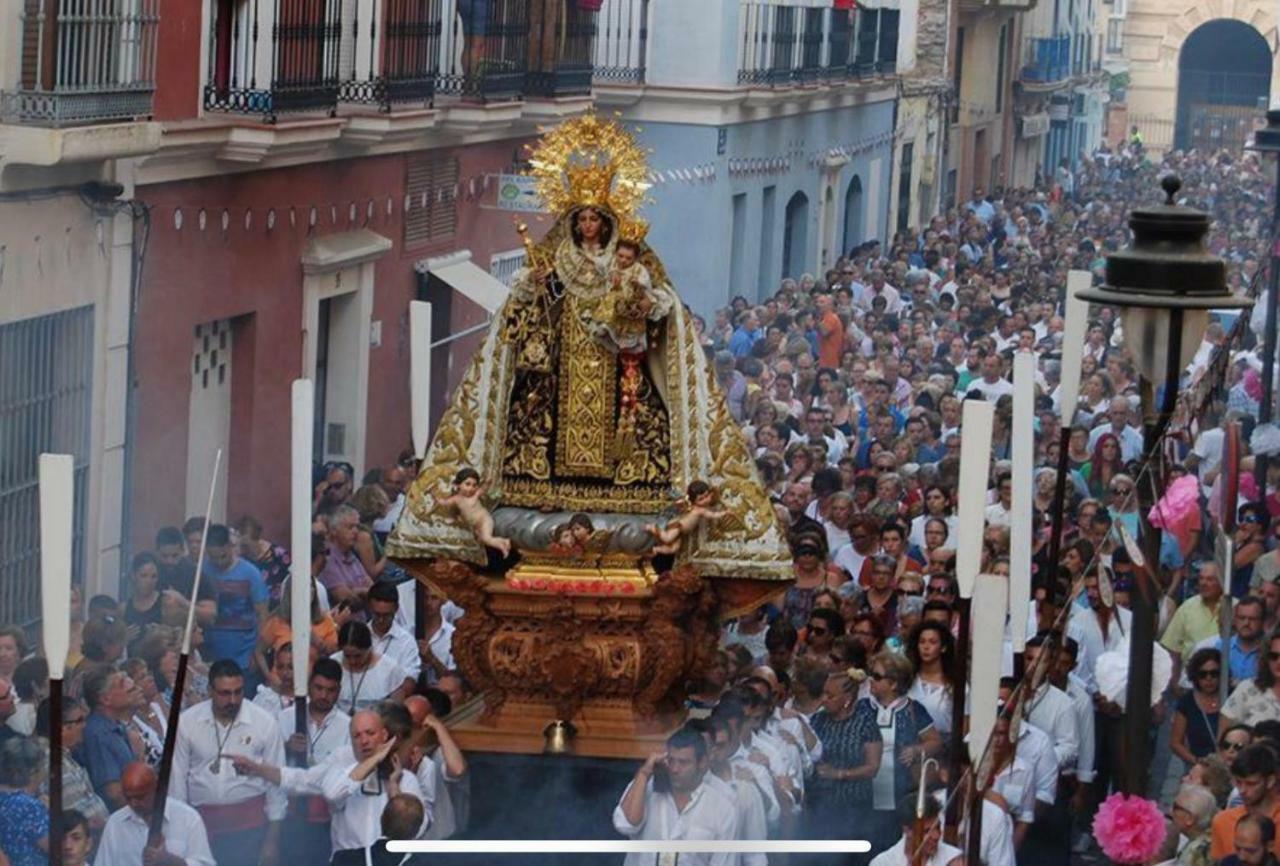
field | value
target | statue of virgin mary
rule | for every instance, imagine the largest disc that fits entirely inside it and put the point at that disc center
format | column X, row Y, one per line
column 591, row 392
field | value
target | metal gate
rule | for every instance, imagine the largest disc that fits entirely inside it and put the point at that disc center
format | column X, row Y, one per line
column 1219, row 109
column 46, row 397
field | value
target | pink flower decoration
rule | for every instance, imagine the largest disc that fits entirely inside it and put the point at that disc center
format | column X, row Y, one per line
column 1129, row 829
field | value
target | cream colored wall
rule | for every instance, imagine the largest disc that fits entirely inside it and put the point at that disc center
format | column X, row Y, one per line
column 1154, row 33
column 56, row 255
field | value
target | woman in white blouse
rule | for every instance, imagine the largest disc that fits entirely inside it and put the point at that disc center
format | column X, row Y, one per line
column 931, row 649
column 367, row 677
column 1258, row 699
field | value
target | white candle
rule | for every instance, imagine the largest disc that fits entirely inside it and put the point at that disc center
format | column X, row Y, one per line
column 1073, row 334
column 420, row 375
column 990, row 600
column 300, row 530
column 57, row 508
column 1020, row 540
column 975, row 458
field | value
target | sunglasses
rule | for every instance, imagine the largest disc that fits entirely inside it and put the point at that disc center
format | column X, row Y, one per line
column 879, row 677
column 817, row 631
column 1209, row 674
column 1230, row 746
column 1121, row 490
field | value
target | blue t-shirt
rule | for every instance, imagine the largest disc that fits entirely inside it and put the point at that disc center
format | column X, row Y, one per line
column 24, row 821
column 235, row 631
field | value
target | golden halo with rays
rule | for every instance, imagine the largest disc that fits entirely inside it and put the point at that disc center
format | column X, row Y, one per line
column 590, row 161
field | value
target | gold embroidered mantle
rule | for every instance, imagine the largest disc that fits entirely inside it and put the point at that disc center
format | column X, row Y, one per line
column 705, row 444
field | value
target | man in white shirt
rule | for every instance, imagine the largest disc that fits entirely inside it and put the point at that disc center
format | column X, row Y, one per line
column 1097, row 629
column 1118, row 425
column 358, row 790
column 183, row 841
column 243, row 814
column 439, row 764
column 738, row 783
column 685, row 806
column 436, row 650
column 991, row 385
column 1050, row 709
column 390, row 639
column 1000, row 513
column 934, row 851
column 328, row 731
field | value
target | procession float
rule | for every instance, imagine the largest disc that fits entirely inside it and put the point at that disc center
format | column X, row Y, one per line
column 587, row 498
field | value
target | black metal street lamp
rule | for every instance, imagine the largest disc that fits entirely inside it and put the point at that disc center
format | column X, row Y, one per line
column 1164, row 286
column 1267, row 140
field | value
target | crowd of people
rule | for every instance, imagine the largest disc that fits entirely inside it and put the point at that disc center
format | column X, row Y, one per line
column 251, row 782
column 824, row 706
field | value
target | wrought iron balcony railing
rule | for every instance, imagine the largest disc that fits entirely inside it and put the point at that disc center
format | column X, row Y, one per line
column 622, row 42
column 274, row 56
column 783, row 44
column 390, row 53
column 562, row 36
column 84, row 61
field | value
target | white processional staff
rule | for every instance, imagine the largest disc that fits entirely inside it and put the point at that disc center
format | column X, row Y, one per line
column 420, row 375
column 1022, row 505
column 990, row 600
column 1076, row 313
column 57, row 510
column 180, row 678
column 300, row 538
column 1075, row 319
column 975, row 460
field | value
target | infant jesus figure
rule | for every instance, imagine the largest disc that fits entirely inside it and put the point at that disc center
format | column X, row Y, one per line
column 697, row 507
column 625, row 309
column 467, row 491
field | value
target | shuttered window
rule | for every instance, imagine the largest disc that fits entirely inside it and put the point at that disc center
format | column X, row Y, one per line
column 430, row 179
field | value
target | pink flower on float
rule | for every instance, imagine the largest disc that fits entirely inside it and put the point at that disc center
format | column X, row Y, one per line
column 1129, row 829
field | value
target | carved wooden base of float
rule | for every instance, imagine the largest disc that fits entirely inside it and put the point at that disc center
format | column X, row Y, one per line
column 615, row 666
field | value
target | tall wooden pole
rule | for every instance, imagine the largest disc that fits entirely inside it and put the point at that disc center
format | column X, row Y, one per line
column 420, row 325
column 1145, row 596
column 156, row 828
column 57, row 510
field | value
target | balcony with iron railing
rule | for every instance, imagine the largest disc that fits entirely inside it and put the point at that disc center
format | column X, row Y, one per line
column 273, row 57
column 622, row 42
column 782, row 44
column 1046, row 61
column 82, row 62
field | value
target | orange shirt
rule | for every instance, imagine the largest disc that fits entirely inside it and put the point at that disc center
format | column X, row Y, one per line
column 831, row 343
column 1223, row 839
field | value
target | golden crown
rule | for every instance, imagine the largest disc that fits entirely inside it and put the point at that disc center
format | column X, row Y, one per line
column 633, row 230
column 590, row 161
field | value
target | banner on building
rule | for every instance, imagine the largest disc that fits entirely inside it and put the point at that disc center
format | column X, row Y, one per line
column 1034, row 125
column 519, row 193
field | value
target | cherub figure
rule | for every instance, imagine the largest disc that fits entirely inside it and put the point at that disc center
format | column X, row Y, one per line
column 697, row 507
column 587, row 538
column 563, row 542
column 467, row 491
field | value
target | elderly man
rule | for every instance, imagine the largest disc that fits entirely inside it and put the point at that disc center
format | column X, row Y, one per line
column 1199, row 617
column 688, row 807
column 182, row 841
column 343, row 575
column 243, row 814
column 108, row 745
column 1117, row 423
column 357, row 787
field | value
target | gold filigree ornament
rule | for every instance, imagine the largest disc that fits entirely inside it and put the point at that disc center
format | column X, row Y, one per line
column 633, row 230
column 590, row 161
